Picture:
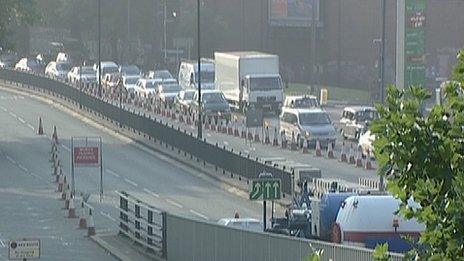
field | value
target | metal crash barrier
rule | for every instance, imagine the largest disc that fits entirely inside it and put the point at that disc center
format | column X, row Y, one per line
column 142, row 223
column 221, row 157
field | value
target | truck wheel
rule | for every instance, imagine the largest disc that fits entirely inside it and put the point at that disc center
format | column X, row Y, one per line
column 336, row 234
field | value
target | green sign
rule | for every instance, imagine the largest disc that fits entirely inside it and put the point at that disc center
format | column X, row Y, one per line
column 265, row 189
column 414, row 43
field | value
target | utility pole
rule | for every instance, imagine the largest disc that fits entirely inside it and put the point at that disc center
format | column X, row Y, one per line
column 313, row 44
column 382, row 52
column 382, row 70
column 165, row 31
column 99, row 51
column 128, row 26
column 200, row 130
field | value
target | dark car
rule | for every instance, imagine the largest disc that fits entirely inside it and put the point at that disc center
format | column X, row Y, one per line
column 214, row 105
column 8, row 60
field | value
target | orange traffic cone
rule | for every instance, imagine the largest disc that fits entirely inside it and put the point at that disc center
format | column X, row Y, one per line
column 343, row 157
column 352, row 159
column 359, row 162
column 275, row 141
column 72, row 208
column 230, row 129
column 368, row 165
column 305, row 146
column 67, row 198
column 91, row 226
column 60, row 183
column 330, row 152
column 40, row 131
column 55, row 136
column 284, row 140
column 82, row 219
column 267, row 140
column 256, row 135
column 293, row 145
column 236, row 132
column 64, row 191
column 318, row 148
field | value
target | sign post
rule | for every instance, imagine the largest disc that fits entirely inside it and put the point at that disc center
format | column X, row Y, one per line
column 265, row 188
column 23, row 249
column 410, row 43
column 86, row 152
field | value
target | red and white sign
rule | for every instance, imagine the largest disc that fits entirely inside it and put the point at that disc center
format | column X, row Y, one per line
column 86, row 156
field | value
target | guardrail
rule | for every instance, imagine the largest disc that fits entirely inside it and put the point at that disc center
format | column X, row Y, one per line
column 142, row 223
column 228, row 160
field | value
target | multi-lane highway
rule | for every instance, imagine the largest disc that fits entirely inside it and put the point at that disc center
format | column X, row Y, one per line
column 27, row 187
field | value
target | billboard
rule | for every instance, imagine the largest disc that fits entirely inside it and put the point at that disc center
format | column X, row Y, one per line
column 294, row 13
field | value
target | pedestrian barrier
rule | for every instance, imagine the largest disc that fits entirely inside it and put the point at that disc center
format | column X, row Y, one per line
column 142, row 223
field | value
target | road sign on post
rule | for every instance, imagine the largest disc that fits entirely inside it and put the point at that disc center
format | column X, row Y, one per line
column 23, row 249
column 265, row 189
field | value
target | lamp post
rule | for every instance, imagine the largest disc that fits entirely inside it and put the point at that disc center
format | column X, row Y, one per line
column 99, row 50
column 200, row 130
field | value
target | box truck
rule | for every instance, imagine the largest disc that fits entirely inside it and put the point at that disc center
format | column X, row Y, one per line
column 249, row 79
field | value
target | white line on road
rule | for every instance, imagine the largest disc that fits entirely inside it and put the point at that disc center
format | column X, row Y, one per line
column 174, row 203
column 112, row 173
column 130, row 182
column 1, row 243
column 226, row 143
column 209, row 135
column 3, row 108
column 198, row 214
column 23, row 168
column 21, row 120
column 30, row 126
column 10, row 159
column 66, row 147
column 108, row 216
column 151, row 192
column 13, row 115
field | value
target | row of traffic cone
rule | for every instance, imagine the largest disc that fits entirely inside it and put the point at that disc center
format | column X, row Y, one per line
column 357, row 159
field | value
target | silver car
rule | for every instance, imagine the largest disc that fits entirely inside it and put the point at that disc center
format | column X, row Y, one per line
column 312, row 124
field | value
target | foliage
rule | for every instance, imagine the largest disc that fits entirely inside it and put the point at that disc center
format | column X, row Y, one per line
column 381, row 253
column 316, row 255
column 15, row 12
column 422, row 157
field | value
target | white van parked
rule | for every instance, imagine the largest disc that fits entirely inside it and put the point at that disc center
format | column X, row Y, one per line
column 106, row 67
column 188, row 74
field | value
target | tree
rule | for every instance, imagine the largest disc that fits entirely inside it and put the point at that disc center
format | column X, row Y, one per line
column 422, row 156
column 22, row 12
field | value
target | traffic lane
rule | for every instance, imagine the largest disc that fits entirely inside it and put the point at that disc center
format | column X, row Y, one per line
column 31, row 210
column 134, row 166
column 341, row 171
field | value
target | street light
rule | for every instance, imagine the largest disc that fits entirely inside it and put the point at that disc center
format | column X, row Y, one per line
column 99, row 51
column 200, row 131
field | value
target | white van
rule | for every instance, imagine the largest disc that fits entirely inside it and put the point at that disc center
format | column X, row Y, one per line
column 106, row 67
column 188, row 74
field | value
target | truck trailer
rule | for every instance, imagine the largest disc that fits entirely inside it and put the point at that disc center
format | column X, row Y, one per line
column 249, row 79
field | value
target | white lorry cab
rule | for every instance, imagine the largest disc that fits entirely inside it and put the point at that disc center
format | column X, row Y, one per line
column 249, row 79
column 188, row 74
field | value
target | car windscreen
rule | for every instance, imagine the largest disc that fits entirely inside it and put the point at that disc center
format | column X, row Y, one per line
column 63, row 66
column 171, row 88
column 106, row 70
column 206, row 77
column 87, row 70
column 270, row 83
column 130, row 80
column 305, row 103
column 308, row 119
column 163, row 75
column 213, row 97
column 366, row 116
column 150, row 85
column 188, row 95
column 131, row 70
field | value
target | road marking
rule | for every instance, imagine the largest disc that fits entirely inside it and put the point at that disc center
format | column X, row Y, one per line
column 13, row 115
column 174, row 203
column 112, row 173
column 1, row 243
column 151, row 192
column 30, row 126
column 108, row 216
column 130, row 182
column 10, row 159
column 226, row 143
column 198, row 214
column 22, row 167
column 66, row 147
column 207, row 134
column 3, row 108
column 21, row 120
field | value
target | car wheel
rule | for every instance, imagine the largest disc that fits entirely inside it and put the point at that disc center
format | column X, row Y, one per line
column 343, row 134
